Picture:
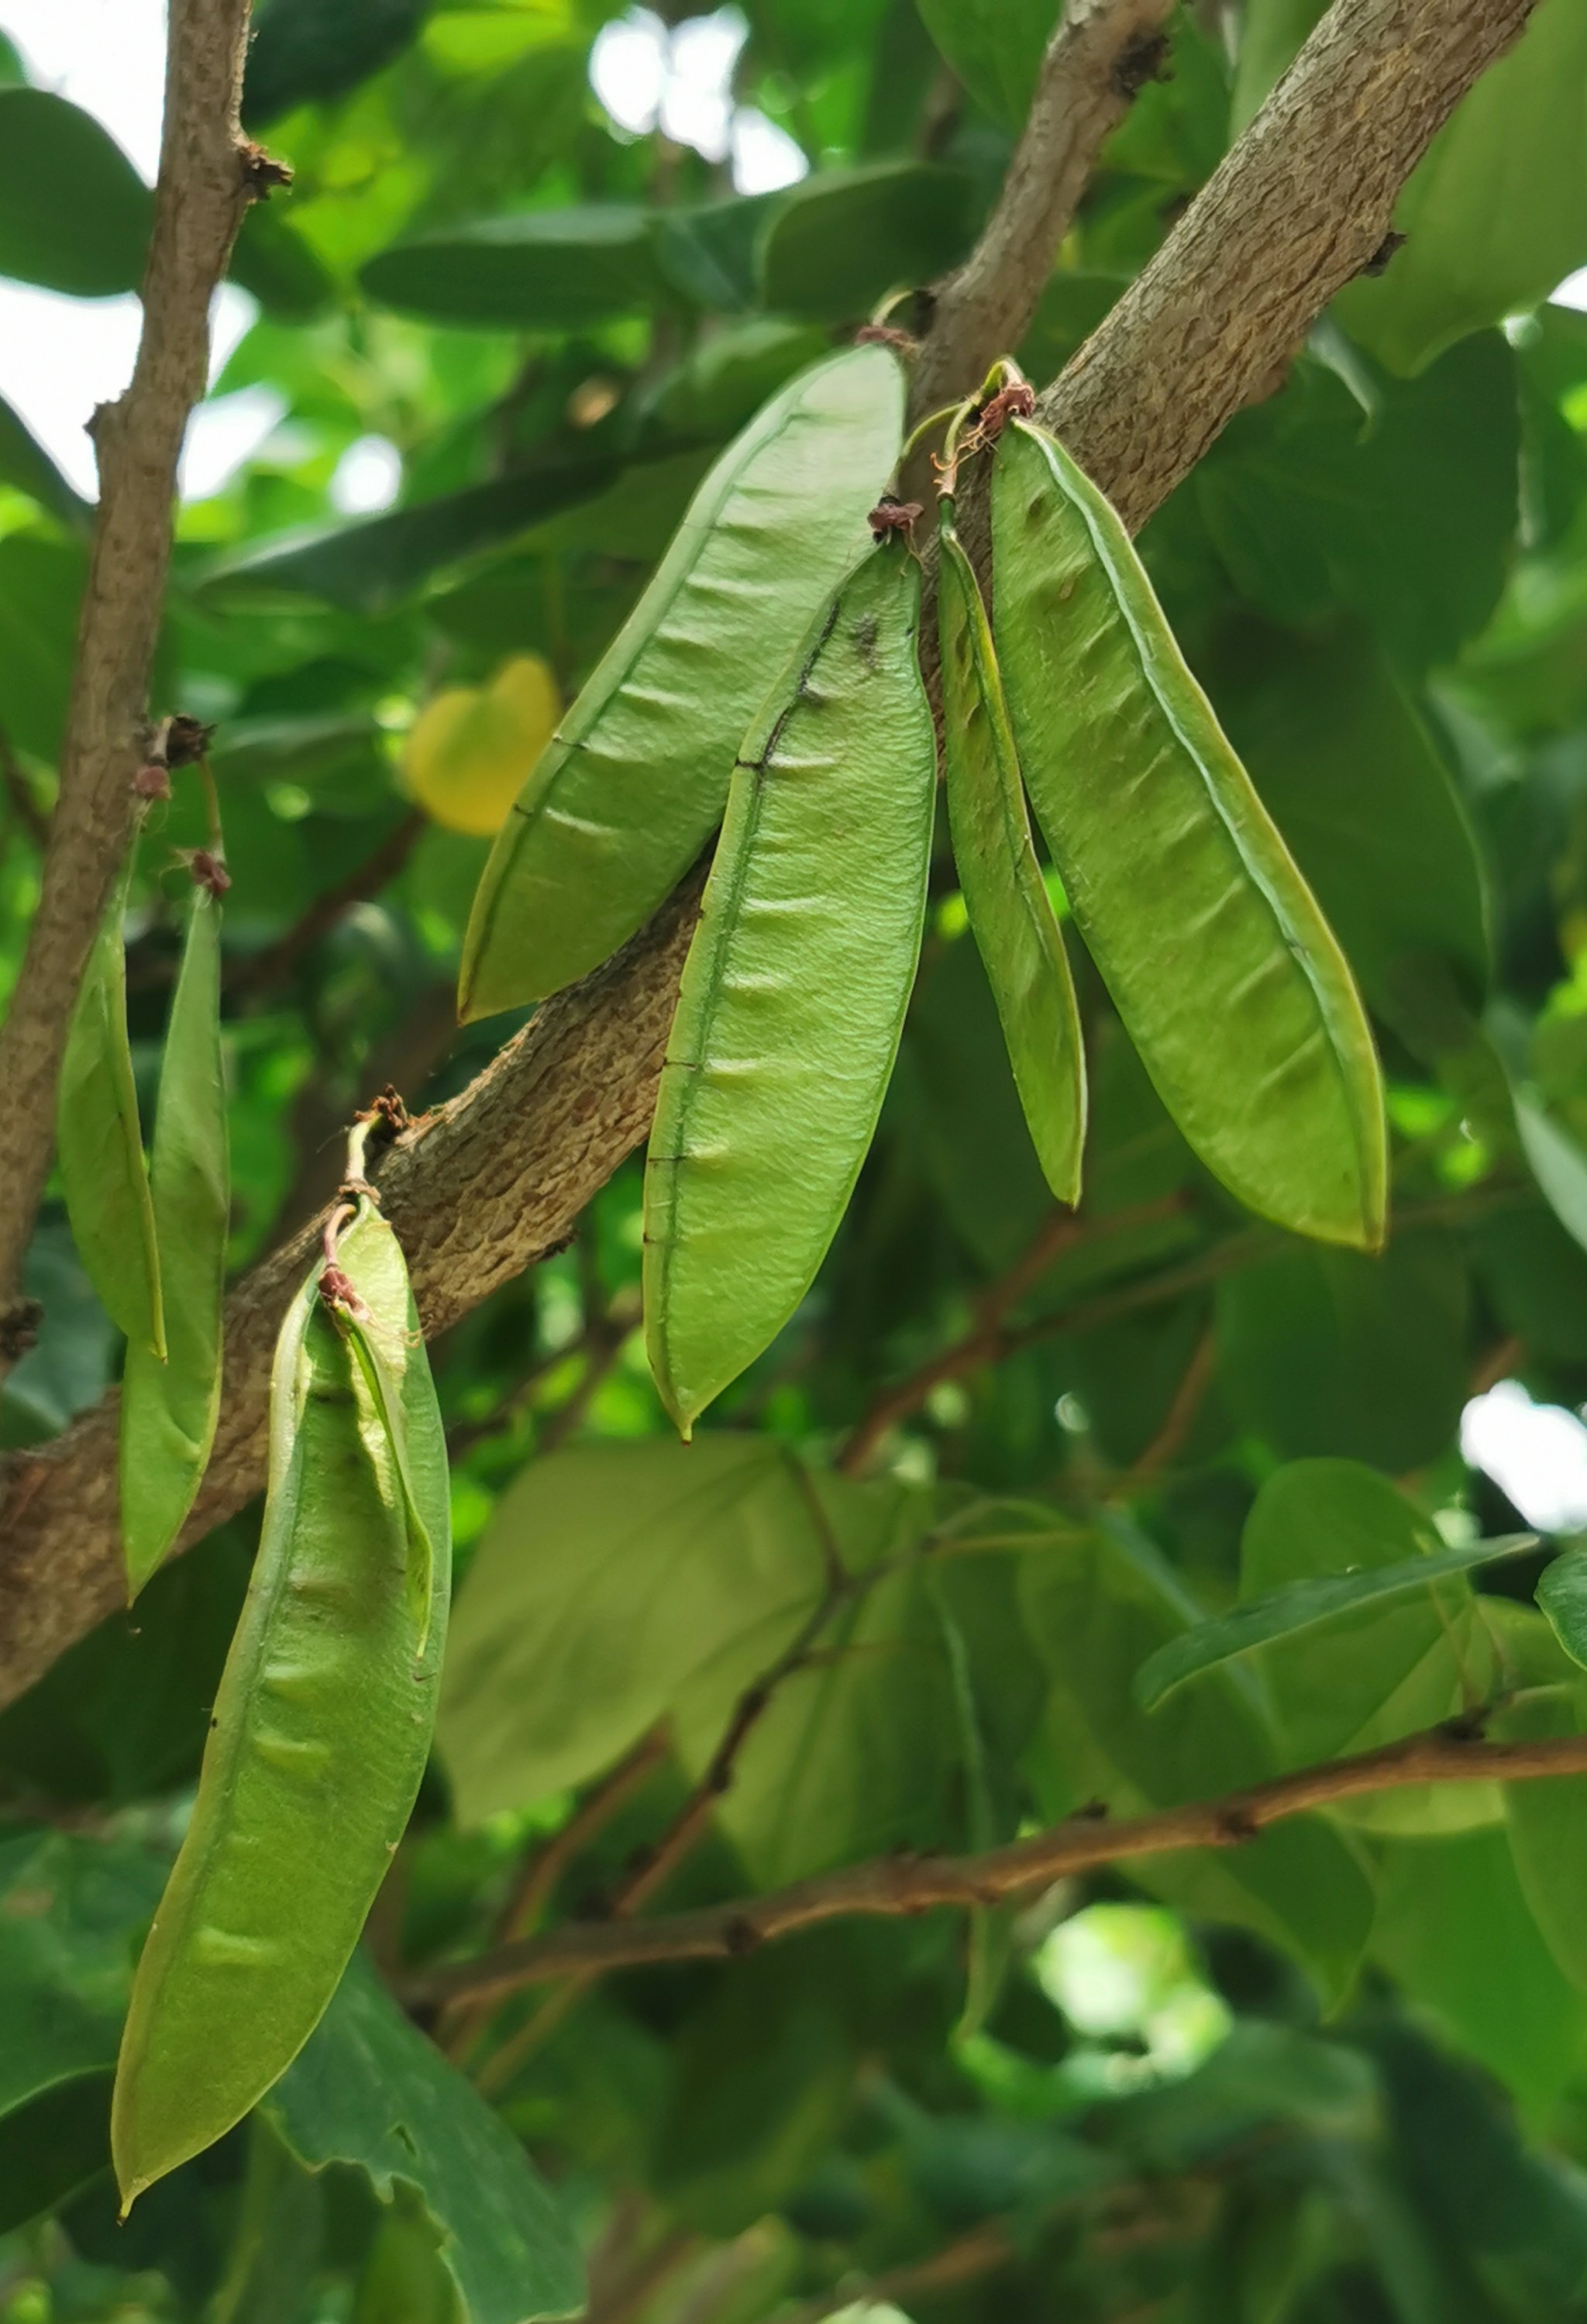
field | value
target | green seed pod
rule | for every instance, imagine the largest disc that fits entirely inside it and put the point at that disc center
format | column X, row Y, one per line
column 320, row 1734
column 1228, row 978
column 630, row 786
column 100, row 1144
column 169, row 1410
column 1014, row 925
column 794, row 992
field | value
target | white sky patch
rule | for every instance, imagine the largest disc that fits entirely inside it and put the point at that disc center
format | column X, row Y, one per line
column 1572, row 291
column 1536, row 1453
column 681, row 82
column 61, row 356
column 368, row 477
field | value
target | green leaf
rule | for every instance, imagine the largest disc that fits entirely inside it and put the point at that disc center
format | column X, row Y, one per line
column 68, row 1909
column 1271, row 36
column 995, row 48
column 369, row 2090
column 74, row 213
column 40, row 590
column 305, row 51
column 24, row 463
column 709, row 254
column 1557, row 1163
column 1333, row 1694
column 1302, row 1607
column 1096, row 1608
column 379, row 560
column 1326, row 1353
column 845, row 237
column 1349, row 772
column 1313, row 505
column 280, row 268
column 609, row 1579
column 1456, row 1932
column 541, row 271
column 52, row 2147
column 1562, row 1592
column 1496, row 214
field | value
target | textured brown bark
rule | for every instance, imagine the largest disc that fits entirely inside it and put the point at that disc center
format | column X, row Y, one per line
column 893, row 1885
column 1297, row 208
column 202, row 193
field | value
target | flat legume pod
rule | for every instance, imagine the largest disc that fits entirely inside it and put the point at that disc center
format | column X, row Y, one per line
column 794, row 992
column 321, row 1731
column 631, row 785
column 169, row 1410
column 100, row 1145
column 1225, row 973
column 1012, row 916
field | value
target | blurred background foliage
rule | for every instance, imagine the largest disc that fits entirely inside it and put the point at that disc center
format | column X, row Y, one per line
column 541, row 259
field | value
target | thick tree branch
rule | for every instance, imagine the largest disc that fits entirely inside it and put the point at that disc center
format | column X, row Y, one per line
column 1099, row 57
column 500, row 1176
column 891, row 1886
column 203, row 190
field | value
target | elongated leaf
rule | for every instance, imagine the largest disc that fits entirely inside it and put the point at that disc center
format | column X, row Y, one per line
column 847, row 236
column 995, row 48
column 635, row 780
column 169, row 1410
column 1302, row 1606
column 24, row 463
column 101, row 1143
column 544, row 270
column 1010, row 914
column 305, row 51
column 74, row 213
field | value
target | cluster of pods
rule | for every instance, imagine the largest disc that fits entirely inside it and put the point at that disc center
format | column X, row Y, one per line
column 821, row 765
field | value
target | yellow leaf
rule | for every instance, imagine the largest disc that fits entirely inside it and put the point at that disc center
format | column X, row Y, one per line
column 472, row 746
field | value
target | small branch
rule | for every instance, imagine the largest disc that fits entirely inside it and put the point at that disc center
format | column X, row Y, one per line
column 980, row 2253
column 542, row 1874
column 1180, row 1419
column 205, row 187
column 904, row 1884
column 987, row 1340
column 1100, row 55
column 276, row 963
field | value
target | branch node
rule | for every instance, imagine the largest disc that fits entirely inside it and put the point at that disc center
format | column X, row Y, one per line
column 1467, row 1726
column 19, row 1328
column 1236, row 1824
column 1143, row 58
column 1379, row 262
column 262, row 173
column 741, row 1937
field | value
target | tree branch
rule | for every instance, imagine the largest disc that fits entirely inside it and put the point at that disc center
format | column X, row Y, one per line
column 1100, row 55
column 892, row 1885
column 488, row 1186
column 203, row 190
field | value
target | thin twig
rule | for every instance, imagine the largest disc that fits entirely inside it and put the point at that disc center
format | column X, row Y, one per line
column 980, row 2253
column 895, row 1885
column 1184, row 1412
column 205, row 186
column 1100, row 55
column 272, row 967
column 984, row 1344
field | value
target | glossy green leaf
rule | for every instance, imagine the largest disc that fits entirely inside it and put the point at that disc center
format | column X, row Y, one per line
column 1096, row 1608
column 1009, row 910
column 793, row 995
column 100, row 1142
column 41, row 592
column 1496, row 214
column 995, row 47
column 1302, row 1606
column 168, row 1409
column 628, row 792
column 371, row 2091
column 1226, row 973
column 846, row 237
column 274, row 263
column 538, row 270
column 307, row 51
column 320, row 1737
column 74, row 213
